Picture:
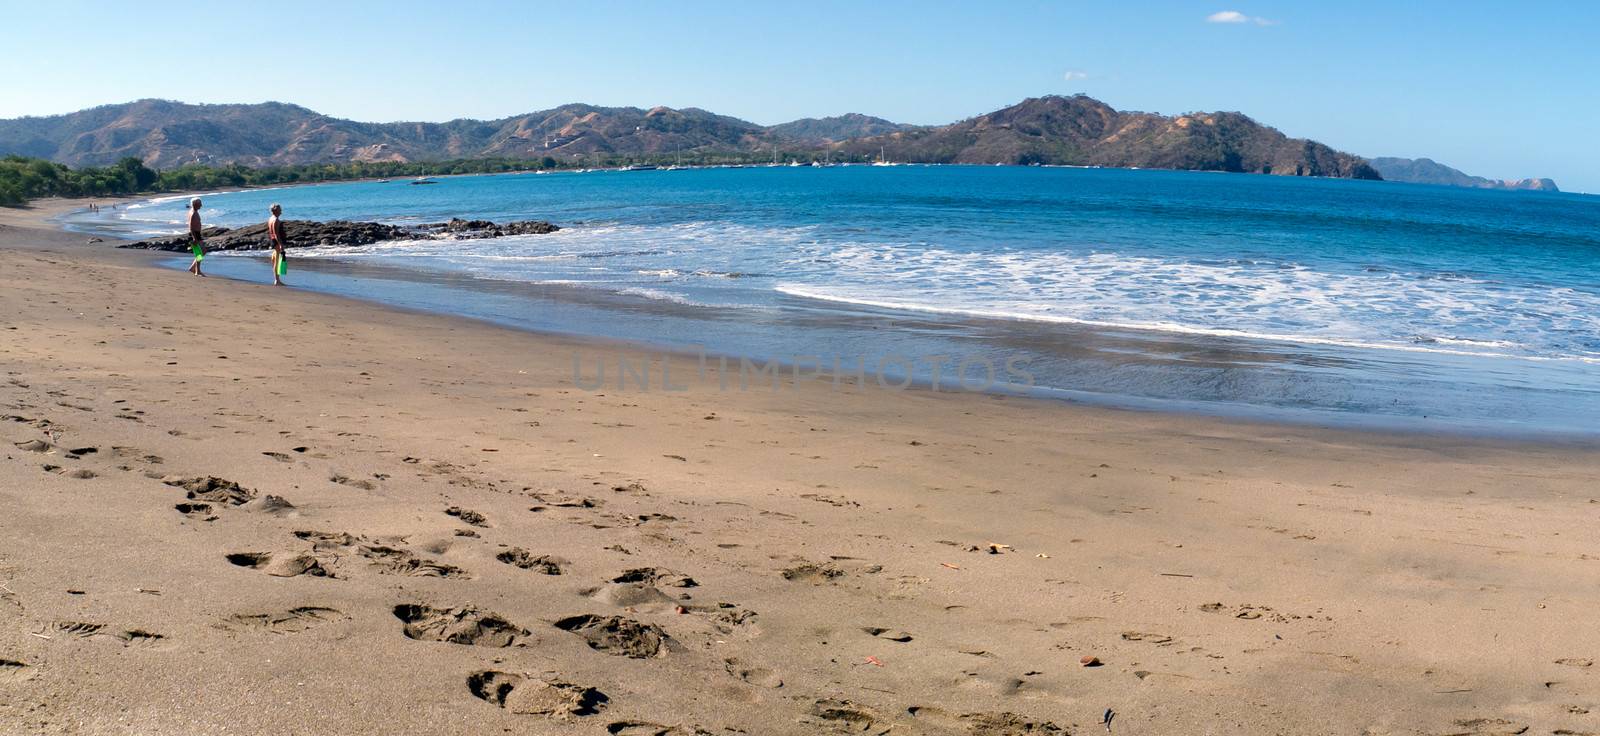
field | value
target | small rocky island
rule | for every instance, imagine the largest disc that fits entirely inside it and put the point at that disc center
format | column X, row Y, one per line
column 309, row 234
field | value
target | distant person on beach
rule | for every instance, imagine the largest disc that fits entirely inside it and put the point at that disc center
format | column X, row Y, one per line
column 196, row 240
column 277, row 237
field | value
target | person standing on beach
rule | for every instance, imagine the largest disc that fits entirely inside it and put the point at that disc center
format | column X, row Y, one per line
column 196, row 241
column 276, row 237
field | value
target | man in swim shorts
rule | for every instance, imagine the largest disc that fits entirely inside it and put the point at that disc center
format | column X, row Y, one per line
column 277, row 237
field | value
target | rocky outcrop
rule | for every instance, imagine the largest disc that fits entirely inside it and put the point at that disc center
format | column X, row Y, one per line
column 486, row 229
column 309, row 234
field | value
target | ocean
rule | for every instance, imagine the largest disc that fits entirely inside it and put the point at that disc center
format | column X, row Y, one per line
column 1308, row 300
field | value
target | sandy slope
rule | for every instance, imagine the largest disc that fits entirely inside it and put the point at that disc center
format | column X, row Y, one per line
column 1231, row 578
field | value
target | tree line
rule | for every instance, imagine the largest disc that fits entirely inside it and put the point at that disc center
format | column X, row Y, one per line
column 23, row 178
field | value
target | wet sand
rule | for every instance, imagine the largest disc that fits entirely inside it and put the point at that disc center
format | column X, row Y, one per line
column 230, row 508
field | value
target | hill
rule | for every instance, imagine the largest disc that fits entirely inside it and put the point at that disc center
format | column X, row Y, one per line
column 1080, row 130
column 1428, row 171
column 1048, row 130
column 837, row 128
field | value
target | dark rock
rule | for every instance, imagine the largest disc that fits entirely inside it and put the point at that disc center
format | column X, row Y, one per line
column 308, row 234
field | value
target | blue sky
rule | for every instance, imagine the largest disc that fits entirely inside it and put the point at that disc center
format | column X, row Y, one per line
column 1496, row 89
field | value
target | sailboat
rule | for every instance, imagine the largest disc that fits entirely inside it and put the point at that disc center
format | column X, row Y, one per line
column 881, row 161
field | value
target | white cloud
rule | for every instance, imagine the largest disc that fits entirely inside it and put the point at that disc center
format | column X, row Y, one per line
column 1074, row 75
column 1234, row 16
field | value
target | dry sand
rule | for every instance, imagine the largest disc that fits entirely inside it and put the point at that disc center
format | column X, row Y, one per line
column 799, row 561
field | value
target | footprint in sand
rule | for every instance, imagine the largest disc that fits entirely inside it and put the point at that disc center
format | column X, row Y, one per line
column 272, row 505
column 813, row 572
column 845, row 714
column 1487, row 727
column 282, row 566
column 646, row 728
column 200, row 511
column 211, row 488
column 758, row 676
column 85, row 630
column 39, row 446
column 291, row 621
column 468, row 516
column 542, row 564
column 134, row 453
column 656, row 576
column 618, row 636
column 982, row 724
column 527, row 695
column 280, row 457
column 12, row 670
column 394, row 561
column 386, row 559
column 458, row 626
column 634, row 597
column 888, row 634
column 140, row 638
column 344, row 480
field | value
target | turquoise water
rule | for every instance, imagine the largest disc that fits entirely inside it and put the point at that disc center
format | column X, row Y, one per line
column 1325, row 300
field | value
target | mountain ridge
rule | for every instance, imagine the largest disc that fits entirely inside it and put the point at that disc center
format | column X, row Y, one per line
column 1052, row 129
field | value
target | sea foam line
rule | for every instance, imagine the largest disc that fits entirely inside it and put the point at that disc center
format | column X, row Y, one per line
column 805, row 293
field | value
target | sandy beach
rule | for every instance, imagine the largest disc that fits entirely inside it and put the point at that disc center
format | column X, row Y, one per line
column 229, row 508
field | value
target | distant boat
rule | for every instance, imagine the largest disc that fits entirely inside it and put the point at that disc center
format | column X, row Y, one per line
column 639, row 167
column 796, row 163
column 381, row 181
column 882, row 161
column 423, row 180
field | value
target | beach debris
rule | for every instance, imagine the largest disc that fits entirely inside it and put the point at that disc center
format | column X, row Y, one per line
column 1042, row 556
column 997, row 548
column 950, row 565
column 1582, row 662
column 1089, row 660
column 889, row 634
column 1105, row 719
column 873, row 661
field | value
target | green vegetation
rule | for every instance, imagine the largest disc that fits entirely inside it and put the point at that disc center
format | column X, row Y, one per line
column 22, row 178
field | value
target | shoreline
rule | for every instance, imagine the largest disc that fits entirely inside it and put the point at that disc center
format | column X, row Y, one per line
column 1260, row 415
column 920, row 562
